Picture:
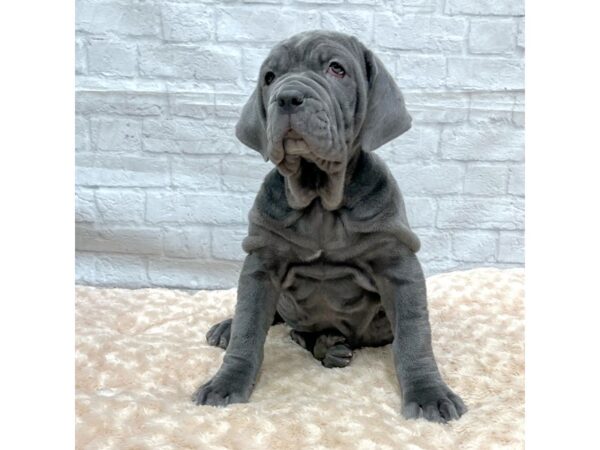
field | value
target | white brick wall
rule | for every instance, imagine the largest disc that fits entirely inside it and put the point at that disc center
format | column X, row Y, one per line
column 164, row 188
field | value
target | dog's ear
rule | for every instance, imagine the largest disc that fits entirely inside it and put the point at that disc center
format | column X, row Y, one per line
column 251, row 127
column 386, row 117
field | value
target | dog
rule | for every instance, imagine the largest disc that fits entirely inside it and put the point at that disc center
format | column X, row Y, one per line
column 329, row 248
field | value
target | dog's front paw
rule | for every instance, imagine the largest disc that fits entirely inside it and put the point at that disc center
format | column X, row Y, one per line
column 435, row 403
column 221, row 391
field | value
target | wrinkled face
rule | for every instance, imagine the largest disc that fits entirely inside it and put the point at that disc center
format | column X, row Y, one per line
column 309, row 89
column 307, row 114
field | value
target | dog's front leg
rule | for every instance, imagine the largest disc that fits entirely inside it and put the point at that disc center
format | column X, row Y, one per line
column 403, row 294
column 254, row 312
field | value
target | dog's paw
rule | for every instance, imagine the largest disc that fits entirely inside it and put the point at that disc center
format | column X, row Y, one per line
column 338, row 355
column 435, row 403
column 220, row 391
column 219, row 334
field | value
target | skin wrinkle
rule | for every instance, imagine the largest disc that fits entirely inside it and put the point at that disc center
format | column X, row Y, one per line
column 330, row 251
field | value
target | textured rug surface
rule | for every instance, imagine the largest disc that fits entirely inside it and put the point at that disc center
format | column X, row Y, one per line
column 140, row 354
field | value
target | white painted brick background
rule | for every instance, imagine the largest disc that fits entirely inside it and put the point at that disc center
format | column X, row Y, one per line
column 164, row 188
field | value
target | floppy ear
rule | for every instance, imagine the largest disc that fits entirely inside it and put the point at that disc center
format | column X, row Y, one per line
column 386, row 117
column 251, row 127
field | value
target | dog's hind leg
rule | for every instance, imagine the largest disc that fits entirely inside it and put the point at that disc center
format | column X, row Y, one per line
column 329, row 347
column 219, row 334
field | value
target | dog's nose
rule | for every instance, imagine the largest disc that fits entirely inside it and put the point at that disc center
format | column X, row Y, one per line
column 290, row 100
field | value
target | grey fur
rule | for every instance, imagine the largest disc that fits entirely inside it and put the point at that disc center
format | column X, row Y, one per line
column 330, row 251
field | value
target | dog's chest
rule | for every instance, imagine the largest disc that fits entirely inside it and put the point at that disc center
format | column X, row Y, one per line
column 325, row 230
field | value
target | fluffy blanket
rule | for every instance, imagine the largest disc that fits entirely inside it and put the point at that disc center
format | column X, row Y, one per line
column 141, row 353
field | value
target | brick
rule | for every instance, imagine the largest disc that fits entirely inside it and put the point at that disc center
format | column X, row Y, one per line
column 516, row 180
column 389, row 59
column 319, row 2
column 80, row 57
column 435, row 245
column 366, row 2
column 261, row 24
column 480, row 213
column 197, row 173
column 474, row 246
column 420, row 32
column 418, row 144
column 193, row 274
column 485, row 73
column 438, row 178
column 227, row 243
column 112, row 58
column 85, row 205
column 229, row 105
column 511, row 247
column 187, row 22
column 485, row 179
column 357, row 23
column 187, row 242
column 121, row 205
column 110, row 270
column 440, row 266
column 119, row 170
column 420, row 71
column 120, row 103
column 493, row 36
column 85, row 270
column 133, row 19
column 521, row 34
column 168, row 146
column 485, row 7
column 82, row 134
column 197, row 105
column 244, row 174
column 421, row 211
column 180, row 128
column 492, row 107
column 204, row 208
column 137, row 240
column 437, row 107
column 252, row 60
column 452, row 265
column 120, row 270
column 176, row 129
column 190, row 62
column 219, row 142
column 483, row 143
column 116, row 134
column 518, row 117
column 202, row 136
column 419, row 6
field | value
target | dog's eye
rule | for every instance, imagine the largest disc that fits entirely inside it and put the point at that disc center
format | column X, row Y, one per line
column 269, row 77
column 336, row 70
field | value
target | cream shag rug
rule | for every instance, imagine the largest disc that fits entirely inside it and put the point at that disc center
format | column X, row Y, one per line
column 140, row 354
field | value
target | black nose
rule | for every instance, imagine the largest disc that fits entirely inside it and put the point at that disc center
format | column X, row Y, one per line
column 290, row 100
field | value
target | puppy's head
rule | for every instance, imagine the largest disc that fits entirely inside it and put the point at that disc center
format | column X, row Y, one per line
column 321, row 97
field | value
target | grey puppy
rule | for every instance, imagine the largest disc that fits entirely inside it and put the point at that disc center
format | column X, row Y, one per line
column 330, row 251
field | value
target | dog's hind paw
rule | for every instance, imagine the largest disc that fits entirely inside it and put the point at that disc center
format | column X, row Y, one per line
column 339, row 355
column 219, row 334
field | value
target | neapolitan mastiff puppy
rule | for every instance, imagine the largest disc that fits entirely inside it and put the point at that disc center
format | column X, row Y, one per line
column 330, row 251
